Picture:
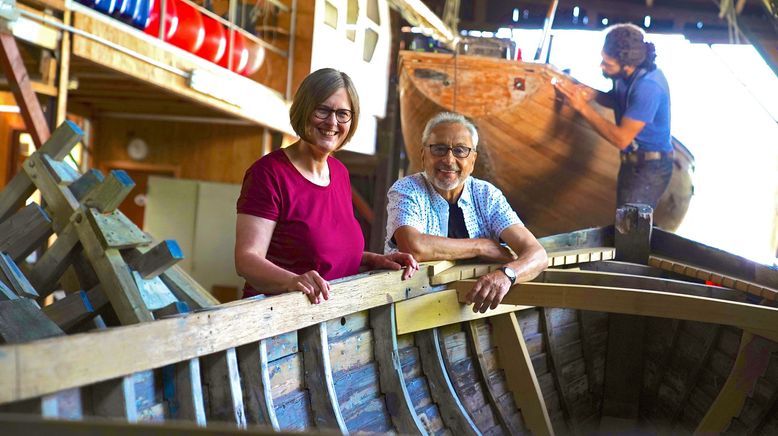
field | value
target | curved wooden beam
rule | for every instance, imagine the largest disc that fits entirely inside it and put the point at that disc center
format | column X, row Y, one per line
column 252, row 361
column 758, row 319
column 225, row 396
column 398, row 401
column 516, row 361
column 318, row 378
column 751, row 363
column 451, row 409
column 483, row 371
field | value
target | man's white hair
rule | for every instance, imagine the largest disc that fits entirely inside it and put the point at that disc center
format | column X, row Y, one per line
column 449, row 117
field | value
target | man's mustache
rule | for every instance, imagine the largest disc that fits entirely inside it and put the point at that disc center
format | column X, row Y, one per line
column 448, row 168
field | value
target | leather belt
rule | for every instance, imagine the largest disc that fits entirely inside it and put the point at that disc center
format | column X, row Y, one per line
column 642, row 156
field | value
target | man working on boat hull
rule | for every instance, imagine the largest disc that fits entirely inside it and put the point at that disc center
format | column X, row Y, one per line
column 443, row 213
column 641, row 100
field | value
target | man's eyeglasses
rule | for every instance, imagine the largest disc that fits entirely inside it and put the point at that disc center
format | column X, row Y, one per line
column 343, row 116
column 459, row 151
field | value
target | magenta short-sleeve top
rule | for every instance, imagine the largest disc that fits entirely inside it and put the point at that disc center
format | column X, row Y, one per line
column 315, row 225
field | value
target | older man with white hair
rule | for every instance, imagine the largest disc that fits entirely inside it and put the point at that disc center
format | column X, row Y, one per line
column 442, row 213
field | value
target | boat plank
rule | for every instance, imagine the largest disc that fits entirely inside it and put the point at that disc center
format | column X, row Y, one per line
column 222, row 391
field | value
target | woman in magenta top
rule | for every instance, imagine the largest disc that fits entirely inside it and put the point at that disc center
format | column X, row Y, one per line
column 296, row 227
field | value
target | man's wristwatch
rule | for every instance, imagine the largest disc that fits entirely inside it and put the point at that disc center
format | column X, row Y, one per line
column 509, row 272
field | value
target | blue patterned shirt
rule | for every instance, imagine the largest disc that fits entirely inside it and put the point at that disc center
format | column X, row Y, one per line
column 413, row 201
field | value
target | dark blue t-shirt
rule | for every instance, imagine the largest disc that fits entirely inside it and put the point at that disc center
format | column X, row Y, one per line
column 645, row 96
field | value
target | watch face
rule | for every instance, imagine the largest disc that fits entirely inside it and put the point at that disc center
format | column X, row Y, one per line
column 509, row 272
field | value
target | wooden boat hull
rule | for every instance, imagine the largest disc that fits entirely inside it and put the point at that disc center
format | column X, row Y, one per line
column 384, row 355
column 555, row 170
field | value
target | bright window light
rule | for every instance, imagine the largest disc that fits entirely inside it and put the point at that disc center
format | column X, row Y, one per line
column 515, row 15
column 576, row 11
column 647, row 21
column 604, row 21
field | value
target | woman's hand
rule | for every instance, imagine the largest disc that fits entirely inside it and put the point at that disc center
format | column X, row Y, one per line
column 394, row 261
column 312, row 285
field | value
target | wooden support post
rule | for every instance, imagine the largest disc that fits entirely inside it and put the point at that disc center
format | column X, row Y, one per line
column 182, row 389
column 16, row 192
column 25, row 231
column 12, row 276
column 633, row 233
column 391, row 380
column 516, row 361
column 442, row 391
column 751, row 363
column 114, row 399
column 479, row 364
column 257, row 395
column 158, row 259
column 113, row 272
column 86, row 183
column 49, row 268
column 221, row 388
column 30, row 108
column 59, row 200
column 185, row 288
column 22, row 321
column 621, row 397
column 110, row 194
column 318, row 378
column 64, row 70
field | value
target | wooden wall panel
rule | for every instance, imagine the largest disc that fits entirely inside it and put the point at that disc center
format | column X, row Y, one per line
column 8, row 123
column 212, row 152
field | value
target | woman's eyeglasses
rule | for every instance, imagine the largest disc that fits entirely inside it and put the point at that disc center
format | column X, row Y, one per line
column 459, row 151
column 341, row 115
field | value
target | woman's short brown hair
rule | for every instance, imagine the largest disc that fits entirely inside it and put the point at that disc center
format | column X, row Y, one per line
column 317, row 87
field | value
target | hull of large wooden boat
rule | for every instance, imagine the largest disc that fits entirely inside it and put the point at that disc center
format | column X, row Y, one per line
column 555, row 170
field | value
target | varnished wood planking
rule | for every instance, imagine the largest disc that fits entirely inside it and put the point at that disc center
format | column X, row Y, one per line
column 531, row 143
column 211, row 152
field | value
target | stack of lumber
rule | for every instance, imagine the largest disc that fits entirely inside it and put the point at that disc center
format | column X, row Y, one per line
column 115, row 272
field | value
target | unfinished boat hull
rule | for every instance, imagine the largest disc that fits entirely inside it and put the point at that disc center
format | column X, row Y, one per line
column 385, row 355
column 555, row 170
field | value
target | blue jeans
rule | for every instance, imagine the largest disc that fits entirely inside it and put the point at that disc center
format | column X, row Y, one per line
column 643, row 182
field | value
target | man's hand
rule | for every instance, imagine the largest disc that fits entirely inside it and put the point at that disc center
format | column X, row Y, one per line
column 395, row 261
column 488, row 291
column 578, row 96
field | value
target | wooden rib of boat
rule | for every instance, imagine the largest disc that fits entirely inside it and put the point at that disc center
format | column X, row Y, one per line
column 555, row 170
column 391, row 356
